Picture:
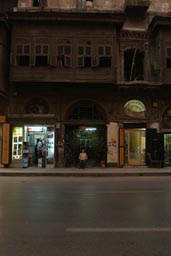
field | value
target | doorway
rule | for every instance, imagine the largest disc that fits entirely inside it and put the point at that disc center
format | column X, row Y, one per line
column 135, row 144
column 91, row 138
column 43, row 133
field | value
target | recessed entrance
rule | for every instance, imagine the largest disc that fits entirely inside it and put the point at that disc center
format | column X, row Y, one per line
column 30, row 134
column 85, row 128
column 135, row 143
column 91, row 138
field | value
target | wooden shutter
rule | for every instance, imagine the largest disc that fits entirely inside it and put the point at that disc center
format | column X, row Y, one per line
column 81, row 61
column 32, row 60
column 95, row 61
column 53, row 61
column 67, row 61
column 5, row 143
column 12, row 59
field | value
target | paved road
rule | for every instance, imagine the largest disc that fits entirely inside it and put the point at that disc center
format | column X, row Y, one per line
column 50, row 216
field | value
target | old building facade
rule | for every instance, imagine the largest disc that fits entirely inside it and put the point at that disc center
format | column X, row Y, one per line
column 93, row 74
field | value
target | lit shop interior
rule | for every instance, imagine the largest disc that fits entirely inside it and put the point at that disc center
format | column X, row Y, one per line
column 167, row 149
column 29, row 134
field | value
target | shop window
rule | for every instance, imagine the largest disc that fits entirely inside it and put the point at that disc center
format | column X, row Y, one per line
column 169, row 58
column 23, row 55
column 133, row 65
column 42, row 57
column 41, row 3
column 85, row 56
column 104, row 56
column 64, row 55
column 17, row 142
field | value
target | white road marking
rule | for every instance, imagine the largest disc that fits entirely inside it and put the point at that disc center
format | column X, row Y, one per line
column 130, row 191
column 118, row 230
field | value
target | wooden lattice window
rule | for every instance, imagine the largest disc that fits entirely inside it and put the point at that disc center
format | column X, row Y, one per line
column 23, row 55
column 64, row 55
column 104, row 56
column 41, row 55
column 84, row 55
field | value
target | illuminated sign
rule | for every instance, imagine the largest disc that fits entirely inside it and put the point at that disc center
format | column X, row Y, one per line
column 35, row 129
column 91, row 129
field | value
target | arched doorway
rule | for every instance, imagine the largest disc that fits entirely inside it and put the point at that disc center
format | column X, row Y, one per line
column 134, row 134
column 85, row 128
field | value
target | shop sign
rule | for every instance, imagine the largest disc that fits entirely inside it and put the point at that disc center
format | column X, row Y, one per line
column 35, row 129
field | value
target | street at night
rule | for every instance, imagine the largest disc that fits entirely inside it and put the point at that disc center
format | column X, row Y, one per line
column 55, row 216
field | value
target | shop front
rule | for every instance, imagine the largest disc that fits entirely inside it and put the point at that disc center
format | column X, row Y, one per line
column 29, row 135
column 135, row 146
column 132, row 148
column 167, row 149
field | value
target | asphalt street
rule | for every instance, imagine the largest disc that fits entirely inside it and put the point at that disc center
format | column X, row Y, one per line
column 67, row 216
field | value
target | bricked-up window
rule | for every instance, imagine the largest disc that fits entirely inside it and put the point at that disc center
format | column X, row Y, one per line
column 85, row 56
column 64, row 55
column 41, row 3
column 168, row 57
column 41, row 55
column 104, row 56
column 23, row 55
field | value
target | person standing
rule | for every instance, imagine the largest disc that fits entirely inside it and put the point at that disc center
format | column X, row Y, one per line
column 38, row 151
column 83, row 158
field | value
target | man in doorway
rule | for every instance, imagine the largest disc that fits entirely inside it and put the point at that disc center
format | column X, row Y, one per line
column 83, row 158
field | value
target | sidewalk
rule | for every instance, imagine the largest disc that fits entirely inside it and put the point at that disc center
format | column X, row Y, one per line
column 88, row 172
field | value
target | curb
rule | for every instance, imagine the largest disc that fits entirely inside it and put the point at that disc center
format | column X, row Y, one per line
column 59, row 174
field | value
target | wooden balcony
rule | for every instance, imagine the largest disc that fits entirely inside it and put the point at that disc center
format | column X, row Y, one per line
column 54, row 74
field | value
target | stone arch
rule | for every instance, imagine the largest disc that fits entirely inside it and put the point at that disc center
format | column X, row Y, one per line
column 86, row 110
column 37, row 105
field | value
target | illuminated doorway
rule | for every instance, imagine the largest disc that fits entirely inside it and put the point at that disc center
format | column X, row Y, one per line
column 91, row 138
column 85, row 128
column 135, row 143
column 167, row 149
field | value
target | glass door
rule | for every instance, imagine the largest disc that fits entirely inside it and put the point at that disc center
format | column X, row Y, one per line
column 135, row 146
